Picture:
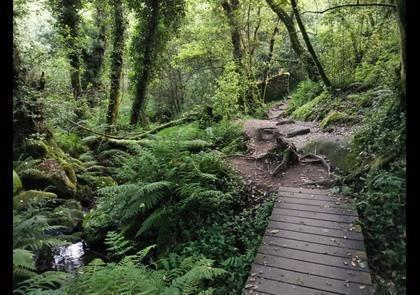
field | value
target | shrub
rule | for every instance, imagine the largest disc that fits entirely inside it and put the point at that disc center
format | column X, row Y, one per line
column 306, row 91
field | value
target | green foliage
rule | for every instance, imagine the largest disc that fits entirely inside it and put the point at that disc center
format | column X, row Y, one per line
column 129, row 276
column 70, row 143
column 384, row 131
column 306, row 91
column 314, row 109
column 382, row 206
column 335, row 117
column 229, row 90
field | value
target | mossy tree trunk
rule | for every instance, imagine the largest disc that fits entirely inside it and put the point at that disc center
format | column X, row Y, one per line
column 68, row 20
column 308, row 43
column 305, row 58
column 146, row 62
column 94, row 56
column 116, row 62
column 270, row 58
column 231, row 7
column 402, row 26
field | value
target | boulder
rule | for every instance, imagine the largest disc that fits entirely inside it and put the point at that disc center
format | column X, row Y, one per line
column 50, row 173
column 25, row 197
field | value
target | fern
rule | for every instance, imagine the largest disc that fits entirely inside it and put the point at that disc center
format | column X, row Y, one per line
column 158, row 218
column 117, row 244
column 23, row 263
column 42, row 282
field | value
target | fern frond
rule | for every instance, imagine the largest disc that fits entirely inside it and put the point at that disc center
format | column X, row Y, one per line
column 117, row 243
column 45, row 281
column 157, row 218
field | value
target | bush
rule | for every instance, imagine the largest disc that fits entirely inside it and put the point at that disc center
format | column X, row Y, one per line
column 306, row 91
column 381, row 205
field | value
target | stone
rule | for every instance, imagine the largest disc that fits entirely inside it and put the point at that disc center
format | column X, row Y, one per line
column 50, row 173
column 25, row 197
column 17, row 183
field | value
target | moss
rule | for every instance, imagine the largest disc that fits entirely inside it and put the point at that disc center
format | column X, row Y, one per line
column 338, row 152
column 25, row 197
column 17, row 183
column 335, row 117
column 314, row 109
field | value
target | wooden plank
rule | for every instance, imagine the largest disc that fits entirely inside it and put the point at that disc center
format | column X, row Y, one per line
column 314, row 215
column 304, row 190
column 313, row 281
column 334, row 233
column 313, row 208
column 314, row 268
column 310, row 196
column 311, row 222
column 312, row 247
column 266, row 286
column 339, row 242
column 331, row 204
column 323, row 259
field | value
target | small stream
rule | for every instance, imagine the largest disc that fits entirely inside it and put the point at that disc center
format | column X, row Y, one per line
column 69, row 258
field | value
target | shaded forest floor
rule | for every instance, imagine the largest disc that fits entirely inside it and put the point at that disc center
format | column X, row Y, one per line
column 304, row 174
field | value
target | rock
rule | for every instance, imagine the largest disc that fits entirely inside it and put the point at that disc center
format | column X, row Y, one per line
column 338, row 153
column 50, row 173
column 335, row 117
column 25, row 197
column 17, row 183
column 297, row 132
column 283, row 122
column 267, row 133
column 69, row 214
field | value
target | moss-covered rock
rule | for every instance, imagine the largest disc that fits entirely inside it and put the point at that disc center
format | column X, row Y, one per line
column 50, row 173
column 338, row 152
column 69, row 214
column 96, row 181
column 17, row 183
column 335, row 117
column 25, row 197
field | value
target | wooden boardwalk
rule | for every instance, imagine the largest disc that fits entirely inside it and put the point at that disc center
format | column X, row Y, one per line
column 311, row 246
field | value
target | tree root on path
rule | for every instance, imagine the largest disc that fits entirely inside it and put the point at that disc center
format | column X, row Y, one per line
column 316, row 159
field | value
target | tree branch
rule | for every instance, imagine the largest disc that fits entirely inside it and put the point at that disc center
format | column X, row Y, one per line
column 352, row 5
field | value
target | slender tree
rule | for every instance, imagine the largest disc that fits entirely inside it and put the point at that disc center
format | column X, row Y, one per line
column 231, row 8
column 270, row 58
column 308, row 43
column 150, row 40
column 402, row 26
column 299, row 50
column 68, row 20
column 93, row 56
column 116, row 61
column 147, row 59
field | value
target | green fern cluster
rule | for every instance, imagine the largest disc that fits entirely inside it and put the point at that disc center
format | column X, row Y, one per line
column 165, row 185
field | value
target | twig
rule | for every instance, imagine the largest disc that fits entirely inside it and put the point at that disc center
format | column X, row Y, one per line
column 351, row 5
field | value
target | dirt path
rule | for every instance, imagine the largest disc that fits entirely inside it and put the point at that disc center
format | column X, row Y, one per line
column 301, row 175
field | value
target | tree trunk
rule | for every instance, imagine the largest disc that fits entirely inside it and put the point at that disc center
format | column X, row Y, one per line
column 116, row 62
column 69, row 21
column 307, row 61
column 270, row 57
column 75, row 75
column 146, row 65
column 230, row 9
column 94, row 56
column 402, row 25
column 308, row 43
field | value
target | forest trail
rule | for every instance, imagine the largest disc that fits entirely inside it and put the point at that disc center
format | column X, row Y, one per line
column 313, row 243
column 306, row 173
